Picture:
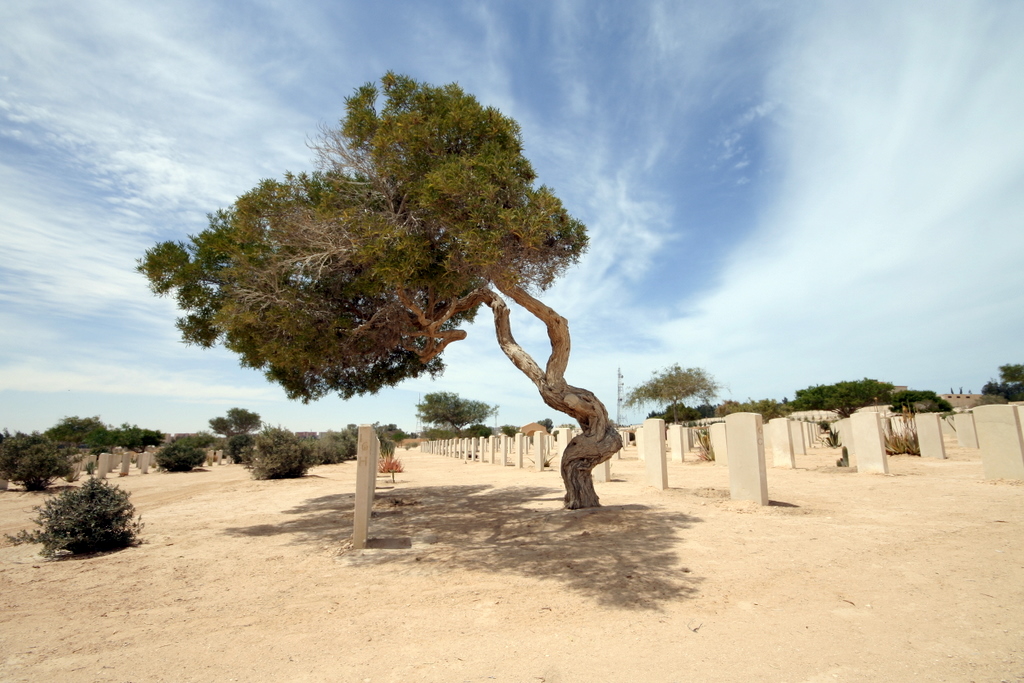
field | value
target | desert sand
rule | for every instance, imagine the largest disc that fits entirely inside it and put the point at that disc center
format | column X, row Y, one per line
column 481, row 576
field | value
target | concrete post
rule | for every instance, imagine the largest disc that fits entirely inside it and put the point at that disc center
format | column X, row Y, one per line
column 654, row 454
column 104, row 465
column 126, row 462
column 603, row 472
column 782, row 443
column 367, row 452
column 144, row 459
column 1001, row 439
column 638, row 435
column 719, row 443
column 929, row 435
column 563, row 439
column 540, row 450
column 748, row 478
column 520, row 446
column 966, row 434
column 869, row 443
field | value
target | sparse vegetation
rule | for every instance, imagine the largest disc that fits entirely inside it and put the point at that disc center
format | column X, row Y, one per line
column 33, row 461
column 702, row 437
column 389, row 464
column 96, row 517
column 180, row 456
column 280, row 454
column 900, row 434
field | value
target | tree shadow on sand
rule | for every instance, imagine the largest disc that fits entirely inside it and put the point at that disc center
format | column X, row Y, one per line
column 622, row 556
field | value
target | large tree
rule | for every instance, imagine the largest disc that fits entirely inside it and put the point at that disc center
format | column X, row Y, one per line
column 447, row 410
column 673, row 386
column 1010, row 385
column 843, row 398
column 237, row 421
column 358, row 275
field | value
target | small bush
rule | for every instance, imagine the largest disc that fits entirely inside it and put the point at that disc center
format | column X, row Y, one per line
column 389, row 464
column 180, row 456
column 335, row 447
column 239, row 448
column 33, row 461
column 94, row 518
column 279, row 454
column 702, row 441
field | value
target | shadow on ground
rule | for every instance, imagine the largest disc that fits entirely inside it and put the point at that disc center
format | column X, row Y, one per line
column 623, row 556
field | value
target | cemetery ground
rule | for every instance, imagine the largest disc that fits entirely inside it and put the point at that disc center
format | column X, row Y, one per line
column 479, row 575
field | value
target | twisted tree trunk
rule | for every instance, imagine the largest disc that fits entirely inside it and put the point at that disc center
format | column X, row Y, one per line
column 599, row 440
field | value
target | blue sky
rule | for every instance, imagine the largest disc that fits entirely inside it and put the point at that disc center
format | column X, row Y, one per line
column 786, row 194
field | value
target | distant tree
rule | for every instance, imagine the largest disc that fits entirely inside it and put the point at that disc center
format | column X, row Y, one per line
column 843, row 398
column 198, row 440
column 357, row 276
column 448, row 411
column 768, row 408
column 1010, row 385
column 919, row 402
column 126, row 436
column 477, row 430
column 680, row 412
column 439, row 434
column 509, row 430
column 547, row 424
column 673, row 386
column 74, row 429
column 237, row 421
column 334, row 447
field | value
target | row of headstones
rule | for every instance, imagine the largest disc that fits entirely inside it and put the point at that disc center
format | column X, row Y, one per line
column 791, row 436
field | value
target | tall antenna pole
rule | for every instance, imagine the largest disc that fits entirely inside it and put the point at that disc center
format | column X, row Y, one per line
column 618, row 407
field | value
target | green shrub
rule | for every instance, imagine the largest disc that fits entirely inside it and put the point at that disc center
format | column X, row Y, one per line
column 33, row 461
column 335, row 447
column 279, row 454
column 94, row 518
column 180, row 456
column 239, row 448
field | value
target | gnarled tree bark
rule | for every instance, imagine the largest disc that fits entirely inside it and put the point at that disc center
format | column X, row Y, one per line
column 599, row 440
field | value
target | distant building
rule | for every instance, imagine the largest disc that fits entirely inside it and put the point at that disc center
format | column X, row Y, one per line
column 962, row 400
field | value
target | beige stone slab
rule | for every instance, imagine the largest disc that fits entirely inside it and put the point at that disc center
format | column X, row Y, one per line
column 748, row 478
column 966, row 434
column 654, row 454
column 1001, row 440
column 929, row 435
column 869, row 443
column 782, row 443
column 719, row 443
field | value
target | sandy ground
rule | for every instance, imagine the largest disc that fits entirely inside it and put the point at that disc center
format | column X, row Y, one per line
column 914, row 576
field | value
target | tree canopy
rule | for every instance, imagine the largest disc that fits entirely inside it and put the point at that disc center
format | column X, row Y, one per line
column 74, row 429
column 674, row 385
column 446, row 410
column 843, row 398
column 237, row 421
column 357, row 275
column 768, row 408
column 1010, row 385
column 919, row 402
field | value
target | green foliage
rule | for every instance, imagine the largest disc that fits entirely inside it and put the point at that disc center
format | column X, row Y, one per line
column 477, row 430
column 844, row 460
column 96, row 517
column 198, row 440
column 74, row 429
column 843, row 398
column 280, row 454
column 901, row 435
column 133, row 437
column 448, row 411
column 769, row 408
column 180, row 456
column 677, row 411
column 702, row 439
column 509, row 430
column 335, row 447
column 33, row 461
column 672, row 387
column 239, row 447
column 547, row 424
column 355, row 277
column 833, row 440
column 919, row 402
column 439, row 434
column 237, row 421
column 1010, row 385
column 1011, row 373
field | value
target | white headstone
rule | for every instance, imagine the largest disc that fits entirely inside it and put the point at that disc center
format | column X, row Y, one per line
column 676, row 436
column 638, row 435
column 869, row 443
column 719, row 443
column 748, row 479
column 966, row 434
column 929, row 435
column 1001, row 439
column 603, row 472
column 654, row 454
column 797, row 435
column 782, row 443
column 540, row 450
